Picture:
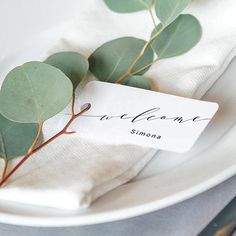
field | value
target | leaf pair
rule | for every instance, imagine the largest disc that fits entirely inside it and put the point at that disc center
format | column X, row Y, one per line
column 179, row 33
column 166, row 10
column 114, row 58
column 175, row 35
column 31, row 94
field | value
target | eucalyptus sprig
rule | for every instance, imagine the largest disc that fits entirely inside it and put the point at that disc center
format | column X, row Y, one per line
column 36, row 91
column 31, row 94
column 132, row 57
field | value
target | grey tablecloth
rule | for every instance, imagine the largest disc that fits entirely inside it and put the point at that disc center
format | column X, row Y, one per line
column 183, row 219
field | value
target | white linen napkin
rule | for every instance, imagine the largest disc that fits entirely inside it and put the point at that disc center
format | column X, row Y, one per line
column 72, row 172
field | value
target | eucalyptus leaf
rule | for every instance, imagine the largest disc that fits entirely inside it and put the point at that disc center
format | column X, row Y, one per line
column 168, row 10
column 72, row 64
column 34, row 92
column 177, row 38
column 126, row 6
column 114, row 58
column 16, row 138
column 137, row 81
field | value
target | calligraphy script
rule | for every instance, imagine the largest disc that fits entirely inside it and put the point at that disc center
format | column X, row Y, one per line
column 148, row 115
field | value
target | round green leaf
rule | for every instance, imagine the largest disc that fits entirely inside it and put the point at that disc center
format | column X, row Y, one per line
column 72, row 64
column 126, row 6
column 168, row 10
column 16, row 138
column 177, row 38
column 137, row 81
column 114, row 58
column 34, row 92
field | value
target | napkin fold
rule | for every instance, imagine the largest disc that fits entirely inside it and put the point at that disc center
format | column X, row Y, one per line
column 72, row 172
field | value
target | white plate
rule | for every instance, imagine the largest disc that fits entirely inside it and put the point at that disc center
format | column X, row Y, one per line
column 168, row 179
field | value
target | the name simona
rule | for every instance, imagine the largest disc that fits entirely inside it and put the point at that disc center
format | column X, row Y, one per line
column 145, row 134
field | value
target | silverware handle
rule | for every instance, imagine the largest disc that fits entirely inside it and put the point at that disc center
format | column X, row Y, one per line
column 224, row 223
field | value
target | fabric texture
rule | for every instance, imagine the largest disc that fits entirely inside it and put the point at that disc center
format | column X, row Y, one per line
column 72, row 172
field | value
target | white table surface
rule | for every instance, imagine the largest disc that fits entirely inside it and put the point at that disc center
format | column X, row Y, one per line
column 184, row 219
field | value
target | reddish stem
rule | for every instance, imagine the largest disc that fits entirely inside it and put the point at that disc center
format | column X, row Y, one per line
column 29, row 154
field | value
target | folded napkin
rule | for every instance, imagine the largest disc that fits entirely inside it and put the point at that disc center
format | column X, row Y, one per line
column 72, row 172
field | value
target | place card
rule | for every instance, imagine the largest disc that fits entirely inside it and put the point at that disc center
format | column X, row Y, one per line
column 125, row 115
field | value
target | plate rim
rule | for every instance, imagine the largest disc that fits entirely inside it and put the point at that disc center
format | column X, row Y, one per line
column 121, row 214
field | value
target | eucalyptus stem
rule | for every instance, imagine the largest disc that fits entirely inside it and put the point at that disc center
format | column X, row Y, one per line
column 33, row 150
column 73, row 105
column 6, row 163
column 144, row 67
column 36, row 139
column 151, row 13
column 145, row 47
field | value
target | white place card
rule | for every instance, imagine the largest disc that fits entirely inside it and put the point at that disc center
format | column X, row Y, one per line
column 124, row 115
